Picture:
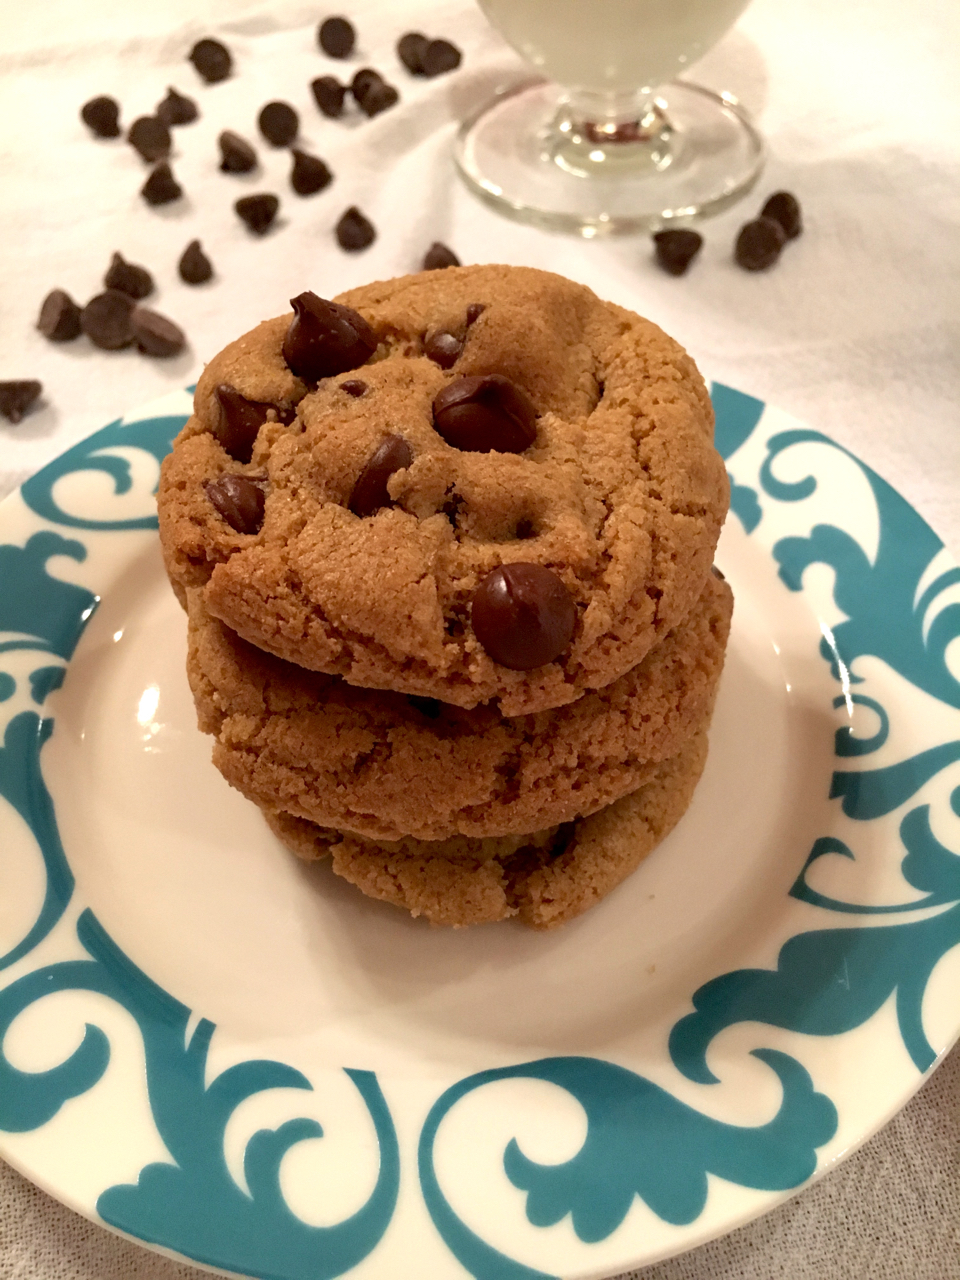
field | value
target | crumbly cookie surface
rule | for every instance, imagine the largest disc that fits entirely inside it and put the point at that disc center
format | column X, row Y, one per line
column 386, row 766
column 621, row 494
column 545, row 879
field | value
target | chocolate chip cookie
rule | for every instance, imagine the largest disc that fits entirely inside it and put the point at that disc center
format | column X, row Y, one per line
column 545, row 879
column 385, row 765
column 481, row 484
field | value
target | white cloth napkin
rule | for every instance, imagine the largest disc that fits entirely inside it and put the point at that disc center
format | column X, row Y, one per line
column 855, row 330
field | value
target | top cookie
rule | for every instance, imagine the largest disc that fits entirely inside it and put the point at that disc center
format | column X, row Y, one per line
column 474, row 484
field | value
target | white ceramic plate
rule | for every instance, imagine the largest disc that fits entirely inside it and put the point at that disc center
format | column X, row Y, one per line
column 231, row 1055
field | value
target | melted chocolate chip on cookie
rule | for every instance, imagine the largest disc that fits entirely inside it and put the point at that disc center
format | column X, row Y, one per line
column 442, row 348
column 239, row 500
column 240, row 419
column 485, row 414
column 325, row 338
column 523, row 615
column 370, row 492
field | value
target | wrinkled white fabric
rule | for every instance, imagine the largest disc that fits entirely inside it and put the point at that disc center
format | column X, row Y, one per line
column 856, row 330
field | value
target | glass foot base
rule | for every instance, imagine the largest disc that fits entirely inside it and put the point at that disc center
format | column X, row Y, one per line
column 693, row 154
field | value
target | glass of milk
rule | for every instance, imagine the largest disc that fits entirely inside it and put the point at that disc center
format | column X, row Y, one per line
column 605, row 139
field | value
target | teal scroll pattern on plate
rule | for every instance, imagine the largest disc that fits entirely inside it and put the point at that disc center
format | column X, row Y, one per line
column 831, row 981
column 193, row 1205
column 641, row 1141
column 153, row 435
column 44, row 614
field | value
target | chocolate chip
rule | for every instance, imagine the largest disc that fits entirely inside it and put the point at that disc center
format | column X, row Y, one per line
column 17, row 397
column 475, row 311
column 106, row 320
column 717, row 574
column 128, row 278
column 278, row 123
column 309, row 174
column 439, row 256
column 194, row 265
column 161, row 187
column 59, row 317
column 758, row 244
column 410, row 50
column 484, row 415
column 377, row 97
column 362, row 81
column 237, row 155
column 784, row 208
column 325, row 338
column 176, row 108
column 354, row 387
column 676, row 249
column 442, row 348
column 239, row 421
column 370, row 492
column 212, row 60
column 354, row 231
column 239, row 500
column 155, row 334
column 439, row 56
column 258, row 211
column 523, row 615
column 336, row 37
column 329, row 94
column 102, row 115
column 150, row 137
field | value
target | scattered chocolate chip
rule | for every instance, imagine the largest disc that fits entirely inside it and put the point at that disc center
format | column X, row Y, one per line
column 429, row 707
column 370, row 492
column 475, row 311
column 784, row 208
column 410, row 50
column 329, row 94
column 325, row 338
column 379, row 96
column 354, row 387
column 439, row 56
column 442, row 348
column 239, row 421
column 309, row 174
column 717, row 574
column 176, row 108
column 758, row 244
column 239, row 500
column 523, row 615
column 150, row 137
column 212, row 60
column 17, row 397
column 237, row 155
column 354, row 231
column 676, row 249
column 59, row 317
column 155, row 334
column 128, row 278
column 194, row 265
column 278, row 123
column 484, row 415
column 102, row 115
column 106, row 320
column 336, row 37
column 258, row 211
column 362, row 81
column 439, row 256
column 161, row 187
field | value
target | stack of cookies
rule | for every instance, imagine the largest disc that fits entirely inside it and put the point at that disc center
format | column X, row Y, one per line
column 445, row 547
